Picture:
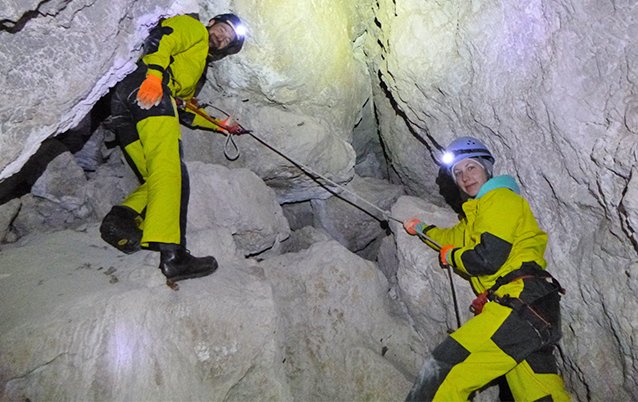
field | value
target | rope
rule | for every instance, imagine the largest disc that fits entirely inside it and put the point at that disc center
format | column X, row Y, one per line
column 307, row 169
column 231, row 140
column 387, row 215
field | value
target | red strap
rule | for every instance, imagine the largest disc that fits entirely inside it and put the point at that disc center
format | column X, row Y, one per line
column 477, row 304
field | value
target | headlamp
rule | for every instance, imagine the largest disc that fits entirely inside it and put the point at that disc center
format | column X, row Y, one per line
column 450, row 157
column 447, row 158
column 240, row 29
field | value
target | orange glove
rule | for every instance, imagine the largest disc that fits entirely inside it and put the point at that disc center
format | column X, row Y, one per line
column 150, row 93
column 414, row 226
column 444, row 256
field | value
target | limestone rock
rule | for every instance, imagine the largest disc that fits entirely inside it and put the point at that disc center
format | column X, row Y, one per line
column 63, row 183
column 301, row 87
column 58, row 199
column 371, row 161
column 111, row 182
column 238, row 200
column 551, row 91
column 353, row 222
column 298, row 214
column 289, row 151
column 15, row 14
column 388, row 260
column 423, row 286
column 103, row 325
column 341, row 343
column 8, row 212
column 100, row 325
column 304, row 238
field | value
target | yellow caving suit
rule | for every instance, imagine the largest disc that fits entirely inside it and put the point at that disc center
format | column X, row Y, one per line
column 176, row 51
column 498, row 235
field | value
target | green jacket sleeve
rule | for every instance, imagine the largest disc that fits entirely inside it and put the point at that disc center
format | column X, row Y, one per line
column 174, row 36
column 444, row 236
column 495, row 228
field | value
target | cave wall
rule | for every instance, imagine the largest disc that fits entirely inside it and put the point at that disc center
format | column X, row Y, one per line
column 550, row 87
column 301, row 84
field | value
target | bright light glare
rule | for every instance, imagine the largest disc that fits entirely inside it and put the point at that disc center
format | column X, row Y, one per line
column 240, row 30
column 448, row 158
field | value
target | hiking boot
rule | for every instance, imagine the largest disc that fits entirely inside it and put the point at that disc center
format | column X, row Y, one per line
column 178, row 264
column 120, row 229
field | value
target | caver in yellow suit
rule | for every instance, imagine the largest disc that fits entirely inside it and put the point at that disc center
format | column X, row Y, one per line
column 147, row 122
column 499, row 246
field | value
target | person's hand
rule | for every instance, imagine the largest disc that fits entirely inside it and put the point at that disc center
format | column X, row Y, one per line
column 445, row 255
column 150, row 93
column 231, row 126
column 414, row 226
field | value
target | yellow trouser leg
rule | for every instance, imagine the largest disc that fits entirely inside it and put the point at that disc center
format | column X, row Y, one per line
column 482, row 350
column 484, row 362
column 496, row 342
column 138, row 199
column 527, row 385
column 156, row 156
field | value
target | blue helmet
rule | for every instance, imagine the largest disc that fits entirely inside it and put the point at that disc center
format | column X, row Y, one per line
column 465, row 147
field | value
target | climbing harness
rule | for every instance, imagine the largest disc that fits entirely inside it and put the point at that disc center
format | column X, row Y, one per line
column 534, row 311
column 315, row 176
column 526, row 271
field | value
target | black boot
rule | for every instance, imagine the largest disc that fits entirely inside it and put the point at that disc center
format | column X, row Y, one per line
column 177, row 263
column 120, row 229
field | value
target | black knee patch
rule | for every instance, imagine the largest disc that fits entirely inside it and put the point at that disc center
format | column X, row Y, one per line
column 435, row 369
column 516, row 337
column 450, row 351
column 120, row 228
column 542, row 361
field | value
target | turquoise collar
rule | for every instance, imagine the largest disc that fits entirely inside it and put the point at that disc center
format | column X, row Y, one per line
column 504, row 181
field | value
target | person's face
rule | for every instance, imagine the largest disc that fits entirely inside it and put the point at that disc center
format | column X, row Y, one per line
column 469, row 175
column 220, row 35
